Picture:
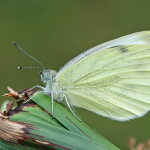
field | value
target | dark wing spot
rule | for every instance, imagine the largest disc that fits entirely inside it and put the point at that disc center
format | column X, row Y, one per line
column 123, row 49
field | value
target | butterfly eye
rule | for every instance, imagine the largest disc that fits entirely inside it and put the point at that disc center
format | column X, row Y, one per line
column 41, row 73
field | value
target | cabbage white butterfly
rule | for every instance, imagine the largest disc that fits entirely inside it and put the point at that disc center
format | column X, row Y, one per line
column 111, row 79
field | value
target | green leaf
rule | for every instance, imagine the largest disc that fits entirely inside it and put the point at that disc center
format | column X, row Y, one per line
column 41, row 131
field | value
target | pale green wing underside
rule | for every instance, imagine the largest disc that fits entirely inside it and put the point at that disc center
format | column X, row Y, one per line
column 112, row 79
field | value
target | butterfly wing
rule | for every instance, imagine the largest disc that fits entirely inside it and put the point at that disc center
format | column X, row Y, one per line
column 111, row 79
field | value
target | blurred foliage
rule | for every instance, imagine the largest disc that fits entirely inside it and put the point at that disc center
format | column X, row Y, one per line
column 141, row 146
column 3, row 105
column 56, row 31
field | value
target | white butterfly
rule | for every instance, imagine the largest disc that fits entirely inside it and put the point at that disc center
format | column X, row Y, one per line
column 111, row 79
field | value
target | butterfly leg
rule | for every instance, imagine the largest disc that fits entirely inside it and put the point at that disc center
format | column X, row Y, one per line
column 70, row 108
column 52, row 104
column 32, row 97
column 37, row 86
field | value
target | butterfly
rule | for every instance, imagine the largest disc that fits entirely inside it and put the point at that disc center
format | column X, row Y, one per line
column 111, row 79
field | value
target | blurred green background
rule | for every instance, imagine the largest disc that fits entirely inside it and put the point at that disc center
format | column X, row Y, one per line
column 56, row 31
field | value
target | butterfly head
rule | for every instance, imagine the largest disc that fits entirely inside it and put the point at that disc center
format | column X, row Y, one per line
column 47, row 75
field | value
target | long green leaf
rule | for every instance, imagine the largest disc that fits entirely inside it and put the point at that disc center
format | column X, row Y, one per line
column 41, row 131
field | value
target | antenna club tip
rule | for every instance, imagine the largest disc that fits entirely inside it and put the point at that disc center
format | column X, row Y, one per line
column 14, row 43
column 19, row 67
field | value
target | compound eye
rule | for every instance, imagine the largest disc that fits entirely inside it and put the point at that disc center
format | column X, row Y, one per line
column 41, row 73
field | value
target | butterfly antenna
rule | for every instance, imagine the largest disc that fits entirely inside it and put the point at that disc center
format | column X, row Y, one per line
column 29, row 56
column 28, row 67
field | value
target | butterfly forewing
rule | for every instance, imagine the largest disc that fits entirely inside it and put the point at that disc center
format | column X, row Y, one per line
column 112, row 79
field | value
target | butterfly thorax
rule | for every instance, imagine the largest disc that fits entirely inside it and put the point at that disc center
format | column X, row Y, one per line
column 58, row 92
column 48, row 77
